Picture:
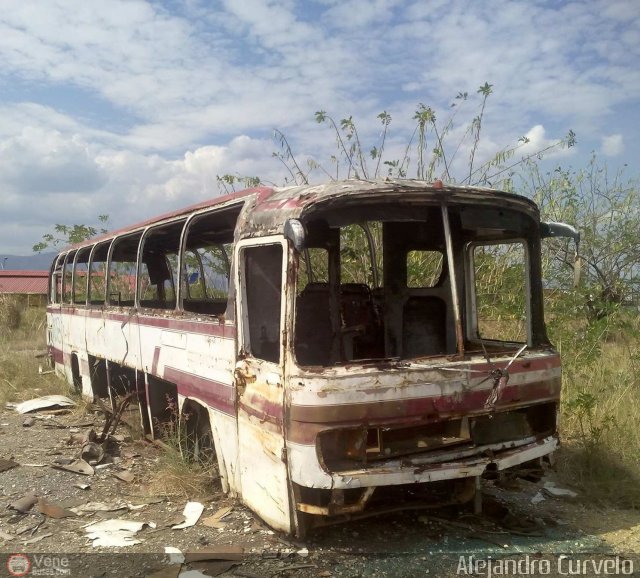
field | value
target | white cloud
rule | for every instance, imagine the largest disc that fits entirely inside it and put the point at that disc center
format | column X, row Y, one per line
column 612, row 145
column 48, row 177
column 139, row 103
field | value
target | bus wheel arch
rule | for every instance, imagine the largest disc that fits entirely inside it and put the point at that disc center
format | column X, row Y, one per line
column 199, row 434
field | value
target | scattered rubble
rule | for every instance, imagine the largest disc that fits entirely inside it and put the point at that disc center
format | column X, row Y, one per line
column 192, row 512
column 44, row 403
column 552, row 490
column 7, row 465
column 115, row 533
column 77, row 467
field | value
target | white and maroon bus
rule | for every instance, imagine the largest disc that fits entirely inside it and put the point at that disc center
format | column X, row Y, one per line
column 342, row 348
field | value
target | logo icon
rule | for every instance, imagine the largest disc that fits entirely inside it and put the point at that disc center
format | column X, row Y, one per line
column 18, row 564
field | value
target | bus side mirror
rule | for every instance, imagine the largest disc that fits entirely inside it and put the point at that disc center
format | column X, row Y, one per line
column 563, row 230
column 294, row 231
column 559, row 230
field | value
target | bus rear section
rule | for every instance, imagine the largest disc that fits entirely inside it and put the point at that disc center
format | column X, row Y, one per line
column 419, row 360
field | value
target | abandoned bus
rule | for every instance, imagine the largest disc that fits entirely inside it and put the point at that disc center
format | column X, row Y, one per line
column 339, row 349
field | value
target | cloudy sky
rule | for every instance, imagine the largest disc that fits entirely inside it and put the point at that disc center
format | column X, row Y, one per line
column 132, row 107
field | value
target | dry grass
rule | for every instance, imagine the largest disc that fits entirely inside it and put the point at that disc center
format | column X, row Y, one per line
column 178, row 473
column 600, row 414
column 19, row 376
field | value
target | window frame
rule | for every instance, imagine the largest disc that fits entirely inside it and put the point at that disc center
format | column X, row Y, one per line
column 112, row 246
column 235, row 205
column 86, row 289
column 472, row 330
column 176, row 282
column 244, row 332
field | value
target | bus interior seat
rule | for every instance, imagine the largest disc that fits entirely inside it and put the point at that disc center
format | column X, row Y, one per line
column 424, row 326
column 358, row 311
column 314, row 336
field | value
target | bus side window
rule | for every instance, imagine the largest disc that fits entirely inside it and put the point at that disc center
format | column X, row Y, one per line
column 67, row 285
column 98, row 273
column 263, row 284
column 56, row 281
column 158, row 275
column 80, row 276
column 122, row 270
column 206, row 263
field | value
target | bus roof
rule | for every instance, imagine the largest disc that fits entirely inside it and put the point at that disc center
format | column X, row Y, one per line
column 266, row 209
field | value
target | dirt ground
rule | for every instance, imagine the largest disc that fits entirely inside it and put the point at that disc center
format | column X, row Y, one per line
column 418, row 543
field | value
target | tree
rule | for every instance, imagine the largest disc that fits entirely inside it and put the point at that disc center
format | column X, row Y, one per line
column 606, row 210
column 429, row 147
column 63, row 235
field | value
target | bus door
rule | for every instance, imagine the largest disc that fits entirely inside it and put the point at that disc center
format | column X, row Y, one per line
column 259, row 382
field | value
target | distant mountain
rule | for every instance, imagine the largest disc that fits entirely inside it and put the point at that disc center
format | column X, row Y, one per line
column 37, row 261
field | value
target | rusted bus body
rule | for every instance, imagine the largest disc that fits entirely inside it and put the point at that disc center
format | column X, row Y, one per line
column 347, row 339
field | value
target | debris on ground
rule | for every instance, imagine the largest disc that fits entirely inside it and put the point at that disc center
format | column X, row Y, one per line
column 92, row 453
column 76, row 466
column 552, row 490
column 24, row 504
column 192, row 512
column 115, row 533
column 125, row 476
column 37, row 539
column 537, row 498
column 45, row 402
column 7, row 465
column 175, row 555
column 53, row 510
column 216, row 520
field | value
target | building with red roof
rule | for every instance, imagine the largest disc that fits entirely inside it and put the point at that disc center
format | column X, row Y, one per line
column 30, row 285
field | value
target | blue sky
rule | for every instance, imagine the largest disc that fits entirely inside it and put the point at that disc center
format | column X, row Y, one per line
column 132, row 107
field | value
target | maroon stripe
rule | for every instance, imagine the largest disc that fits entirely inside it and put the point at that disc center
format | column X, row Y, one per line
column 218, row 395
column 264, row 409
column 435, row 407
column 58, row 356
column 190, row 326
column 305, row 433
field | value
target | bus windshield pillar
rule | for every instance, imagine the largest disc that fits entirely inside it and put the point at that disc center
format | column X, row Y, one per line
column 452, row 276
